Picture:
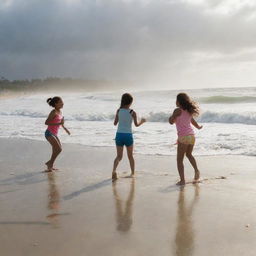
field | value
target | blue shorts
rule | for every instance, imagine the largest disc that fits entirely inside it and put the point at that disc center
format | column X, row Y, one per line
column 124, row 139
column 48, row 134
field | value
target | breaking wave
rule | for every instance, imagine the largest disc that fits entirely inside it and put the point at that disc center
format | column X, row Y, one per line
column 162, row 117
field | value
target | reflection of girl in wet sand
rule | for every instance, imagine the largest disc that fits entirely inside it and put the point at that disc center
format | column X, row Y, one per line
column 184, row 234
column 124, row 218
column 53, row 199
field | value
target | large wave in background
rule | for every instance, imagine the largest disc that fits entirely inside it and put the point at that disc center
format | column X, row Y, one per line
column 248, row 118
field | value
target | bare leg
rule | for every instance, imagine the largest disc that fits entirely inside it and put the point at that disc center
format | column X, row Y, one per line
column 192, row 160
column 131, row 159
column 181, row 149
column 119, row 156
column 56, row 149
column 54, row 169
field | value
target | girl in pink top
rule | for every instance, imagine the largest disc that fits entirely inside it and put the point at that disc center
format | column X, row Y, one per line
column 183, row 118
column 54, row 121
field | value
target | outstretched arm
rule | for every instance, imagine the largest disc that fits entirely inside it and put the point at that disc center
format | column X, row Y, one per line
column 136, row 123
column 194, row 122
column 175, row 114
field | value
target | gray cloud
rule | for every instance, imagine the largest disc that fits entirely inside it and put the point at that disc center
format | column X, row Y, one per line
column 129, row 40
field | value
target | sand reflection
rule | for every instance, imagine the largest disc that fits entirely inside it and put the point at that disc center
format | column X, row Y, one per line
column 184, row 240
column 53, row 200
column 124, row 214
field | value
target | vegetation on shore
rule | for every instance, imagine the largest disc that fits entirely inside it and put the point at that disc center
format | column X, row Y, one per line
column 53, row 83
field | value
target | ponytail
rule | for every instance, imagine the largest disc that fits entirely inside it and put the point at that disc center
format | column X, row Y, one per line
column 53, row 101
column 49, row 101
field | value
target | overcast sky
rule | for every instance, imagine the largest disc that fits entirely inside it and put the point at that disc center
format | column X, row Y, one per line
column 164, row 43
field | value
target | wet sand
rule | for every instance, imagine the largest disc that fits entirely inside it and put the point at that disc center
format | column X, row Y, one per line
column 79, row 211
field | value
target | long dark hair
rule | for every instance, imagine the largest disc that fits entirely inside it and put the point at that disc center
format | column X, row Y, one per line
column 52, row 101
column 126, row 100
column 187, row 104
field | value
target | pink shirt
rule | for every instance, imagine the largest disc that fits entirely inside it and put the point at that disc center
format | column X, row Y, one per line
column 55, row 128
column 183, row 124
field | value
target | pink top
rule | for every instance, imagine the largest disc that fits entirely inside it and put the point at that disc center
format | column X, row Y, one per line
column 55, row 128
column 183, row 124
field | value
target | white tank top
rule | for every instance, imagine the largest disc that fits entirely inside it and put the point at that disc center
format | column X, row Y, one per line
column 124, row 120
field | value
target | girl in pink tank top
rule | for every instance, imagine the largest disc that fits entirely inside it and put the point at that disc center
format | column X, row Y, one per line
column 183, row 118
column 54, row 121
column 57, row 120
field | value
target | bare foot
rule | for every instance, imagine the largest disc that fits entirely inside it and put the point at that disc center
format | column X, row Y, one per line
column 181, row 183
column 130, row 176
column 55, row 169
column 114, row 176
column 49, row 165
column 48, row 170
column 197, row 175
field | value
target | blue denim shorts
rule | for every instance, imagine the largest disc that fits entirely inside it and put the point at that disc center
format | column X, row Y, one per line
column 48, row 134
column 124, row 139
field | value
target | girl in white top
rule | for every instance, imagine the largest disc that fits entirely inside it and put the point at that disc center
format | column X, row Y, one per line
column 124, row 117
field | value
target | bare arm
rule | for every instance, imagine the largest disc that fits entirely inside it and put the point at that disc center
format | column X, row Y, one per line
column 116, row 118
column 49, row 119
column 175, row 114
column 136, row 123
column 194, row 122
column 66, row 129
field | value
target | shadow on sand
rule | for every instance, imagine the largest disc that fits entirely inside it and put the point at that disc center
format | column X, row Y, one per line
column 24, row 179
column 88, row 189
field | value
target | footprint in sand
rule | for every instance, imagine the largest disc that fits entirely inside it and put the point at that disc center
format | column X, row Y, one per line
column 206, row 179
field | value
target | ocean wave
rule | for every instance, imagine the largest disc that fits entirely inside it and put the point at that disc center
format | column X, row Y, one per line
column 162, row 117
column 100, row 98
column 25, row 113
column 75, row 117
column 230, row 118
column 210, row 117
column 158, row 117
column 92, row 117
column 227, row 99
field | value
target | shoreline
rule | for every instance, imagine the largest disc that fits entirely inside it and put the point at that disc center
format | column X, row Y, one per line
column 88, row 147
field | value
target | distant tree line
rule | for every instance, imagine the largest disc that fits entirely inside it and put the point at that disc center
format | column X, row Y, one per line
column 53, row 83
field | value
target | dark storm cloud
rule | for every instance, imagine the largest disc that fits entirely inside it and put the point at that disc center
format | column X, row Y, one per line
column 115, row 38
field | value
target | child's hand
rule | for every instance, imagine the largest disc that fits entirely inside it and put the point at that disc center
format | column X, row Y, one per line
column 62, row 121
column 67, row 131
column 143, row 120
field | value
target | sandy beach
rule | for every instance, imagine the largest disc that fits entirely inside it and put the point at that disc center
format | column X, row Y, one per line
column 79, row 211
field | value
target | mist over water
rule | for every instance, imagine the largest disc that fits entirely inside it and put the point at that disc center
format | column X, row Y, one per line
column 228, row 117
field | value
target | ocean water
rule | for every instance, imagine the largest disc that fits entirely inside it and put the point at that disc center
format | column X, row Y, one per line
column 228, row 117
